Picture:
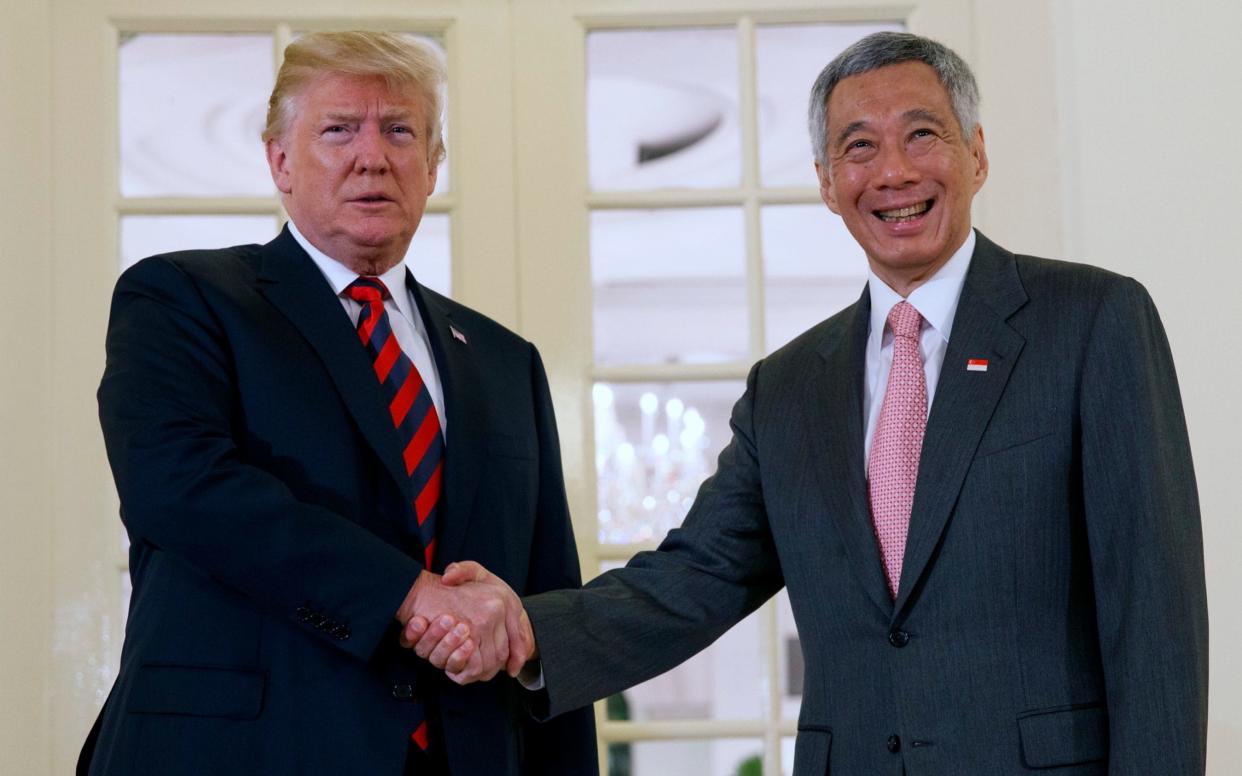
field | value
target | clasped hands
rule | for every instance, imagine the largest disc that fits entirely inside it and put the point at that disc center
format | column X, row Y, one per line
column 468, row 623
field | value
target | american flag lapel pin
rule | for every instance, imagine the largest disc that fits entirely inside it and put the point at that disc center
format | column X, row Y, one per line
column 457, row 335
column 976, row 365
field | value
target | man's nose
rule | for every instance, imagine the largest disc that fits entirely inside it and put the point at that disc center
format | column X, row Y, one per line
column 895, row 167
column 371, row 152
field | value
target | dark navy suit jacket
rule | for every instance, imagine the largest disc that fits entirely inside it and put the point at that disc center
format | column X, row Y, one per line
column 261, row 484
column 1052, row 611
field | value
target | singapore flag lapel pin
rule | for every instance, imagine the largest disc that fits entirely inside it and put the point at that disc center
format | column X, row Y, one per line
column 976, row 365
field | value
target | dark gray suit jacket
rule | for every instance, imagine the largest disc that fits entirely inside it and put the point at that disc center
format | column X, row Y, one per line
column 1052, row 612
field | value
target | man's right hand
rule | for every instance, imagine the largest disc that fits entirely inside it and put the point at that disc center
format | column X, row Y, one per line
column 446, row 618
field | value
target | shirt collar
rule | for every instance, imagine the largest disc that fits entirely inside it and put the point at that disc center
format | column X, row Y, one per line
column 936, row 299
column 340, row 276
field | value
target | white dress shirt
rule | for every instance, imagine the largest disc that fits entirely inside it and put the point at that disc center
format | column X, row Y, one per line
column 936, row 300
column 407, row 324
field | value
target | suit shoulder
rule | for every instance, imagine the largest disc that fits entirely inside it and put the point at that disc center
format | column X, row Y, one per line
column 1036, row 271
column 215, row 266
column 1075, row 285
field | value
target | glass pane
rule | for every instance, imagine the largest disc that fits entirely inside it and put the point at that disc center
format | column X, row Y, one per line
column 788, row 59
column 812, row 268
column 724, row 681
column 662, row 108
column 787, row 755
column 669, row 285
column 705, row 757
column 143, row 236
column 192, row 108
column 654, row 446
column 430, row 254
column 791, row 668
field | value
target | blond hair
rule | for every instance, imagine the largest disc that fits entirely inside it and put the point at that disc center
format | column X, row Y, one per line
column 407, row 65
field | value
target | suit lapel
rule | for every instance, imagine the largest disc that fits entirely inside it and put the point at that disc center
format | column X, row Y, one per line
column 465, row 425
column 289, row 279
column 834, row 402
column 964, row 401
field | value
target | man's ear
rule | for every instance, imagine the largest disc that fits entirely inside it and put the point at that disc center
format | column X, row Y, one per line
column 825, row 187
column 278, row 163
column 980, row 154
column 433, row 171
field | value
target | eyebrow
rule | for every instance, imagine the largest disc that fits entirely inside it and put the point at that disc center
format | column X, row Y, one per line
column 850, row 129
column 910, row 116
column 395, row 114
column 922, row 114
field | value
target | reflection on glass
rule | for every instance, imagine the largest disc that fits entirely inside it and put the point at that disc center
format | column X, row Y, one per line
column 430, row 253
column 812, row 269
column 707, row 757
column 662, row 108
column 669, row 285
column 788, row 59
column 654, row 446
column 143, row 236
column 192, row 108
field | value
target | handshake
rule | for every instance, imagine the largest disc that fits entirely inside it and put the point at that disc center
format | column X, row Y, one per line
column 468, row 623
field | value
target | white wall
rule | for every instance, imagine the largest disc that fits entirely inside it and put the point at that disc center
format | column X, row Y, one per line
column 25, row 305
column 1150, row 109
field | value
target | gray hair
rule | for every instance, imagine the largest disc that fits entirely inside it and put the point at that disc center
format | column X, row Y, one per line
column 879, row 50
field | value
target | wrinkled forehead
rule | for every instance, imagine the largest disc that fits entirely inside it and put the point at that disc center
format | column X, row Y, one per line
column 901, row 88
column 332, row 90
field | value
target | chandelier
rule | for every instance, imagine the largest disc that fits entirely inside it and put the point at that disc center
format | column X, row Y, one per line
column 649, row 464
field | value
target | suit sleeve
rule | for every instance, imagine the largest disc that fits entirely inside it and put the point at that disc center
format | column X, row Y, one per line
column 168, row 410
column 1146, row 542
column 564, row 745
column 631, row 624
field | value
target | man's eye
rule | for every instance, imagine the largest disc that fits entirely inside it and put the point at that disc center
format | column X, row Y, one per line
column 859, row 144
column 335, row 128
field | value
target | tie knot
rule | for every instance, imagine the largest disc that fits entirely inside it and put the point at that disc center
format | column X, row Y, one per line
column 904, row 320
column 367, row 289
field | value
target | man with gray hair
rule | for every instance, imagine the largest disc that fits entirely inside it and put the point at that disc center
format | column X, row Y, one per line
column 975, row 483
column 301, row 436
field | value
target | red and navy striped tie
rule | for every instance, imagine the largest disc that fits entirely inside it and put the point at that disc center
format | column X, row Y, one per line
column 413, row 415
column 409, row 404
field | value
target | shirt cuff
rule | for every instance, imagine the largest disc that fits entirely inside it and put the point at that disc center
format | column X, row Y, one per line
column 531, row 675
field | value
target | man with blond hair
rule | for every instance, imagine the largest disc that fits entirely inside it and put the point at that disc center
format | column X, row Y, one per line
column 301, row 436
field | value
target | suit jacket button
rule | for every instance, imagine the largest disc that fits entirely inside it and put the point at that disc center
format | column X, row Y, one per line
column 302, row 613
column 894, row 743
column 403, row 692
column 899, row 638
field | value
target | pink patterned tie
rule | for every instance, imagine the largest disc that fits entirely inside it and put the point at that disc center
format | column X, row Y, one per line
column 894, row 464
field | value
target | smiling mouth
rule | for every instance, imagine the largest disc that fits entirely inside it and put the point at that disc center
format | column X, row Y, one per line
column 904, row 214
